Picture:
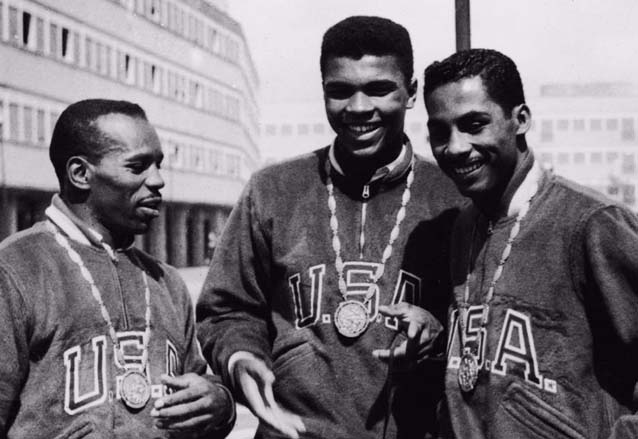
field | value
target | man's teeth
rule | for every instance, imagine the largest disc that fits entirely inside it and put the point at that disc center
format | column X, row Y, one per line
column 467, row 169
column 362, row 129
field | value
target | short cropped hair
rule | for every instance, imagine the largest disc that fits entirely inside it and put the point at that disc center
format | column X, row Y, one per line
column 76, row 132
column 357, row 36
column 499, row 74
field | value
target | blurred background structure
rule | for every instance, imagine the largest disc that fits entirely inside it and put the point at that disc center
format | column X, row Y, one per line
column 186, row 62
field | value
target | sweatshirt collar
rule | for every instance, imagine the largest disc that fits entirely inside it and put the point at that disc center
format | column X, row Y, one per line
column 527, row 188
column 76, row 229
column 391, row 171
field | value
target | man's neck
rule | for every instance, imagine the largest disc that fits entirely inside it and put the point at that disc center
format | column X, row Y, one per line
column 364, row 168
column 89, row 222
column 495, row 204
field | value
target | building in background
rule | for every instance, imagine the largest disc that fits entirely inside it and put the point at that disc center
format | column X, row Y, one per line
column 586, row 132
column 186, row 62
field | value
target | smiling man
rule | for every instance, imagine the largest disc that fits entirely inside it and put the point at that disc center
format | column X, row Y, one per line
column 544, row 332
column 98, row 337
column 318, row 246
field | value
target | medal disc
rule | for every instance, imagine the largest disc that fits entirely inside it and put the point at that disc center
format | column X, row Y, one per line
column 468, row 371
column 351, row 318
column 135, row 389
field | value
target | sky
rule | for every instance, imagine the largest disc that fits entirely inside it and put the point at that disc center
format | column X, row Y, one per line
column 552, row 41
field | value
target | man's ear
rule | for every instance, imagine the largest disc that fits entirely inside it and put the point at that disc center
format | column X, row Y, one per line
column 412, row 88
column 523, row 116
column 78, row 172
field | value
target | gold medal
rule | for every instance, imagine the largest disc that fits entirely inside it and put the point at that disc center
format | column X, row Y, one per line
column 351, row 318
column 135, row 389
column 468, row 370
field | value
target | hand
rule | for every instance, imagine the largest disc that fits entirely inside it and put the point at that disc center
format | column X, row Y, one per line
column 195, row 404
column 421, row 328
column 255, row 380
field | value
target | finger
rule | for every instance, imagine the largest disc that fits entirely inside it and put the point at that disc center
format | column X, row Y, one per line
column 179, row 397
column 180, row 410
column 394, row 310
column 388, row 354
column 176, row 382
column 190, row 423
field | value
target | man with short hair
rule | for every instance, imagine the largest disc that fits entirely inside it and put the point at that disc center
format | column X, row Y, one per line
column 544, row 333
column 98, row 338
column 318, row 245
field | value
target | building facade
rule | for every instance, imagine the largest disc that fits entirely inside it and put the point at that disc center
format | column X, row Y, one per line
column 587, row 132
column 186, row 62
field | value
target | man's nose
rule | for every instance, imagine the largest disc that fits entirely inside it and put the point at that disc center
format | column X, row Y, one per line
column 154, row 178
column 457, row 143
column 359, row 102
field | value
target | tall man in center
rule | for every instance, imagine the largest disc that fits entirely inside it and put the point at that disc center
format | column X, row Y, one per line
column 316, row 246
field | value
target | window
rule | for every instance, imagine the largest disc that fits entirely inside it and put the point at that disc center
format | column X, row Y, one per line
column 596, row 158
column 39, row 42
column 612, row 157
column 318, row 128
column 627, row 132
column 76, row 47
column 303, row 129
column 40, row 131
column 271, row 129
column 596, row 124
column 14, row 35
column 546, row 158
column 26, row 28
column 562, row 125
column 88, row 53
column 66, row 53
column 628, row 164
column 563, row 158
column 612, row 124
column 99, row 62
column 547, row 131
column 107, row 60
column 629, row 194
column 579, row 125
column 13, row 121
column 53, row 41
column 27, row 114
column 579, row 158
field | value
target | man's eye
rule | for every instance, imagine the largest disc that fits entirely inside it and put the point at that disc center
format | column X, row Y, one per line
column 379, row 91
column 336, row 92
column 473, row 126
column 437, row 134
column 137, row 168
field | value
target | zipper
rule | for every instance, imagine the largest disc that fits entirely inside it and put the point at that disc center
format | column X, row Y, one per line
column 114, row 263
column 366, row 191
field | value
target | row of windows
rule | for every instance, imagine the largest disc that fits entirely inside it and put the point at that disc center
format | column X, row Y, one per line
column 195, row 158
column 105, row 57
column 33, row 125
column 626, row 161
column 626, row 125
column 193, row 26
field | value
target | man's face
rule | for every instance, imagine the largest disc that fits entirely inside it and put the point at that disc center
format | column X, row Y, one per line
column 472, row 139
column 365, row 101
column 125, row 183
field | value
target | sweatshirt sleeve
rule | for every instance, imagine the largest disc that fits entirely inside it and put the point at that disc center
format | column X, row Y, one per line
column 14, row 346
column 609, row 280
column 233, row 309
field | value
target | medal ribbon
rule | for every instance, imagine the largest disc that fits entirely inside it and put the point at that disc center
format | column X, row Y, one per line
column 394, row 234
column 498, row 272
column 75, row 257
